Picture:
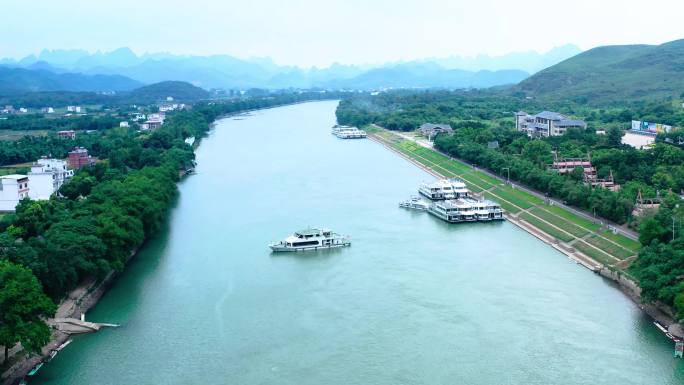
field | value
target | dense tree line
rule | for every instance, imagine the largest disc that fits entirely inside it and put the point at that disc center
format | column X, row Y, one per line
column 103, row 214
column 530, row 169
column 406, row 110
column 46, row 122
column 660, row 266
column 481, row 117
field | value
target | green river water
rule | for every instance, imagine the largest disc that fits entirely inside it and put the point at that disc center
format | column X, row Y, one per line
column 412, row 301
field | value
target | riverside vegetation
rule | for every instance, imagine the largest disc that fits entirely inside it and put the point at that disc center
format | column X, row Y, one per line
column 481, row 118
column 102, row 214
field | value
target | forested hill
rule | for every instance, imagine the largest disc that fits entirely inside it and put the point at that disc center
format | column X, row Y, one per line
column 18, row 80
column 153, row 93
column 613, row 74
column 180, row 91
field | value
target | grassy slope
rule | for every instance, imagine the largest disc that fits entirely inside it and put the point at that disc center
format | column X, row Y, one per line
column 613, row 73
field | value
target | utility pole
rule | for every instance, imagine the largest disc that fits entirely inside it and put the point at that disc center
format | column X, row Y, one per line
column 508, row 174
column 673, row 221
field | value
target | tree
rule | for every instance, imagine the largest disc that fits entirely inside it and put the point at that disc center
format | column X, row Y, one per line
column 79, row 185
column 23, row 307
column 614, row 137
column 537, row 151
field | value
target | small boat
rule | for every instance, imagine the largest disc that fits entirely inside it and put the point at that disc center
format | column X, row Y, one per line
column 414, row 203
column 311, row 239
column 64, row 345
column 54, row 352
column 659, row 326
column 35, row 369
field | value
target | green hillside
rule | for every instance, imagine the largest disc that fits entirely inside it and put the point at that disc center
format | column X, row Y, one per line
column 613, row 74
column 180, row 91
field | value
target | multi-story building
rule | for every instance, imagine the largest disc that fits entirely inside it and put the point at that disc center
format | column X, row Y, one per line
column 589, row 174
column 79, row 158
column 545, row 123
column 13, row 188
column 154, row 121
column 430, row 130
column 66, row 134
column 47, row 176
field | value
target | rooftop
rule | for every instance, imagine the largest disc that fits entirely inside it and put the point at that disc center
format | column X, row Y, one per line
column 311, row 231
column 551, row 115
column 432, row 126
column 570, row 123
column 14, row 176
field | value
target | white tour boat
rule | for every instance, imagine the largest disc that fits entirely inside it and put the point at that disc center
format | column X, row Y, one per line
column 466, row 210
column 311, row 239
column 348, row 132
column 444, row 189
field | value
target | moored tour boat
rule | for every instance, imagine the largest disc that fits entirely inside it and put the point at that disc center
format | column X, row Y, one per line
column 311, row 239
column 444, row 189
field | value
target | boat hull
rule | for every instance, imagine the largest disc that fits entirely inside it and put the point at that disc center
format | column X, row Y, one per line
column 285, row 249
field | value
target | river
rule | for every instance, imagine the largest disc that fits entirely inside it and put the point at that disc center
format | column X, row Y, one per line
column 412, row 301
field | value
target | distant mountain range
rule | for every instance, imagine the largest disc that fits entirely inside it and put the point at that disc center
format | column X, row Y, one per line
column 223, row 71
column 427, row 75
column 20, row 80
column 602, row 75
column 613, row 74
column 530, row 61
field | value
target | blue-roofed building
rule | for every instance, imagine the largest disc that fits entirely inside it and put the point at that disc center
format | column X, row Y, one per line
column 546, row 123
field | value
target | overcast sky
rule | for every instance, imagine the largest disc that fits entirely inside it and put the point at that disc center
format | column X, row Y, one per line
column 319, row 32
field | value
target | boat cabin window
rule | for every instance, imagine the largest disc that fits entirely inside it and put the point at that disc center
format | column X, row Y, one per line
column 305, row 243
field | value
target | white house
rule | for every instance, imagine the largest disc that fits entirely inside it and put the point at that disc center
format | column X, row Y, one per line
column 166, row 107
column 123, row 124
column 13, row 188
column 47, row 176
column 545, row 123
column 154, row 121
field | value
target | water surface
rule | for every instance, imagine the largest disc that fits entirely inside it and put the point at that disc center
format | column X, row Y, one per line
column 413, row 301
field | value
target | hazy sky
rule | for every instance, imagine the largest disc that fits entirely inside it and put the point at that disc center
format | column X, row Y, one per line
column 319, row 32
